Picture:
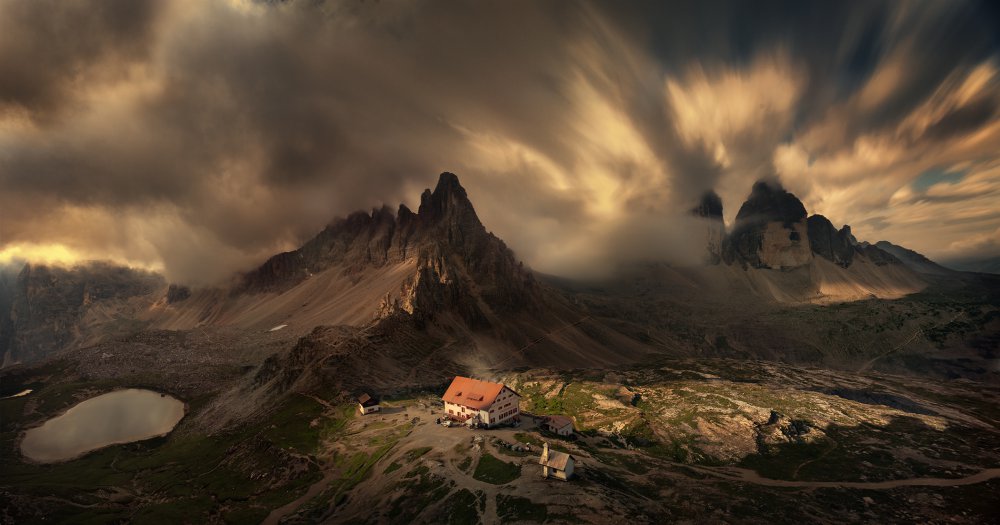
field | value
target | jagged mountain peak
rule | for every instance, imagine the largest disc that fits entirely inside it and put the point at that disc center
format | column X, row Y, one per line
column 455, row 263
column 825, row 240
column 448, row 183
column 845, row 231
column 448, row 202
column 404, row 212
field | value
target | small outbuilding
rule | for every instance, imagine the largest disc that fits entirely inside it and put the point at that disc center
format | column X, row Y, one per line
column 556, row 464
column 368, row 404
column 560, row 425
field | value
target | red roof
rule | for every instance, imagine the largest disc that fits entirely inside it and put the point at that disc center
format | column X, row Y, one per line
column 472, row 393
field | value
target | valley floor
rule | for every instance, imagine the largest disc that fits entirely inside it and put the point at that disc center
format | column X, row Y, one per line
column 676, row 440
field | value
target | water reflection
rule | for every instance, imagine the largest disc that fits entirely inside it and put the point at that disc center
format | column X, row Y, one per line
column 117, row 417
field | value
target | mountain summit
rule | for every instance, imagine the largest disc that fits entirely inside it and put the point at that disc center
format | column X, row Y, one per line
column 458, row 265
column 440, row 273
column 770, row 230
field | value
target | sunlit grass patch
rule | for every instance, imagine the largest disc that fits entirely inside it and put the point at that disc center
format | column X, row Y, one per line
column 496, row 471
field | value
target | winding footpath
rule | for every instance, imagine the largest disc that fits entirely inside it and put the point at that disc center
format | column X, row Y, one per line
column 916, row 333
column 749, row 476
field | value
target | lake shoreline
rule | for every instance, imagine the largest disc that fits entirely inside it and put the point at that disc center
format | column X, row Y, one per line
column 112, row 412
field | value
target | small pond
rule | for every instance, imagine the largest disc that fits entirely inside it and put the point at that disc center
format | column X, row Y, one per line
column 122, row 416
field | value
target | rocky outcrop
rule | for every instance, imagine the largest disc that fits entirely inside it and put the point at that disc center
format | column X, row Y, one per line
column 8, row 289
column 780, row 430
column 177, row 293
column 913, row 260
column 710, row 211
column 51, row 307
column 841, row 247
column 461, row 267
column 770, row 230
column 877, row 255
column 828, row 242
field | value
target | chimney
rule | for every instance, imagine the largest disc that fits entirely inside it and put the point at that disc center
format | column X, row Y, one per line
column 545, row 452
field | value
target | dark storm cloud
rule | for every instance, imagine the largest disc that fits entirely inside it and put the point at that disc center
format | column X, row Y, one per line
column 203, row 136
column 963, row 120
column 257, row 126
column 840, row 44
column 49, row 48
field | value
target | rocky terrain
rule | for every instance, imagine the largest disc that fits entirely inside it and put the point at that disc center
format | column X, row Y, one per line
column 459, row 266
column 50, row 308
column 439, row 268
column 667, row 440
column 826, row 241
column 437, row 271
column 770, row 230
column 799, row 369
column 914, row 260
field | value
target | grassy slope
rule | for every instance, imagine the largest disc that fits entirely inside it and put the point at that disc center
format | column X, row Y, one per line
column 185, row 476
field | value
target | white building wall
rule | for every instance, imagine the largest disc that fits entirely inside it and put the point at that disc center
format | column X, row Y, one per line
column 559, row 474
column 455, row 410
column 492, row 415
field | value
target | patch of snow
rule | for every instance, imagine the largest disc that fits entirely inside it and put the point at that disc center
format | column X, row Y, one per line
column 19, row 394
column 276, row 328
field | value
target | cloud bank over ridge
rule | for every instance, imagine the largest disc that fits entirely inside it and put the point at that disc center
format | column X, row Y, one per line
column 200, row 137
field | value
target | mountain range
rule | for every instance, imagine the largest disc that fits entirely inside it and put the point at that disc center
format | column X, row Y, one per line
column 440, row 272
column 793, row 354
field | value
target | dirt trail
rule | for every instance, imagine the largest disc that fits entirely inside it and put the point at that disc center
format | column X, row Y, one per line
column 919, row 331
column 519, row 353
column 328, row 476
column 827, row 450
column 749, row 476
column 275, row 516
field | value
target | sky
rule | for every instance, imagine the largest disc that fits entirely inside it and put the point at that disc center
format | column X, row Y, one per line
column 200, row 137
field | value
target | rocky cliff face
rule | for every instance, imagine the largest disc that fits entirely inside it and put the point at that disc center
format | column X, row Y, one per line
column 8, row 289
column 461, row 267
column 51, row 307
column 710, row 210
column 770, row 230
column 841, row 247
column 830, row 243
